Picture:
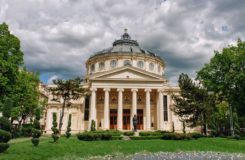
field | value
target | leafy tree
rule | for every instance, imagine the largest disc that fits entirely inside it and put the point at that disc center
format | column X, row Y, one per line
column 225, row 75
column 36, row 131
column 65, row 91
column 192, row 105
column 68, row 130
column 11, row 58
column 55, row 133
column 26, row 98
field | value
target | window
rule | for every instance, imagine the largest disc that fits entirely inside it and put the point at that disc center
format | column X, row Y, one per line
column 140, row 64
column 86, row 109
column 127, row 63
column 151, row 66
column 101, row 66
column 165, row 108
column 113, row 63
column 92, row 68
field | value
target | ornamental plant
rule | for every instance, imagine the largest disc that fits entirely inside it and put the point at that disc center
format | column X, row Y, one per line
column 5, row 135
column 55, row 134
column 36, row 130
column 68, row 131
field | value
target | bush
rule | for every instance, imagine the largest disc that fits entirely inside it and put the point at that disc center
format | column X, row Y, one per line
column 145, row 137
column 116, row 138
column 175, row 136
column 196, row 135
column 168, row 136
column 35, row 141
column 112, row 132
column 3, row 147
column 26, row 130
column 36, row 133
column 156, row 133
column 5, row 136
column 55, row 133
column 68, row 129
column 5, row 124
column 90, row 136
column 129, row 133
column 55, row 137
column 92, row 127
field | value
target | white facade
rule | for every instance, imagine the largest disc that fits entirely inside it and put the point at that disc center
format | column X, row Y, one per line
column 124, row 80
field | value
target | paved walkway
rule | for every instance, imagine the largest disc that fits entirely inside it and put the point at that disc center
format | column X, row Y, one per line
column 174, row 156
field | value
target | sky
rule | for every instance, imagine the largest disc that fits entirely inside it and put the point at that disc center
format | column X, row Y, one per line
column 58, row 36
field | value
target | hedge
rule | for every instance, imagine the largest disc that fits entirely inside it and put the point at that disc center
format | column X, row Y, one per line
column 5, row 136
column 181, row 136
column 129, row 133
column 144, row 137
column 149, row 133
column 5, row 124
column 93, row 136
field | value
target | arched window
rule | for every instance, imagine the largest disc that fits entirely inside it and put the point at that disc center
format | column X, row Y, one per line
column 140, row 64
column 101, row 66
column 92, row 68
column 113, row 63
column 159, row 68
column 151, row 66
column 127, row 63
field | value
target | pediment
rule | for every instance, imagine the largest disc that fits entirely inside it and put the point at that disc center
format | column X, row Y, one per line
column 128, row 73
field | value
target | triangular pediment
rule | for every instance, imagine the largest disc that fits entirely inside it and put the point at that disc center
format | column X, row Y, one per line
column 127, row 73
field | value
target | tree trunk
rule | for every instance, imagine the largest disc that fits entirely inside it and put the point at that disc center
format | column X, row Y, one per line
column 61, row 116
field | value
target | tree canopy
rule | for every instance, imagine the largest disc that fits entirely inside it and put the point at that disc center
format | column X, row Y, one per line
column 225, row 75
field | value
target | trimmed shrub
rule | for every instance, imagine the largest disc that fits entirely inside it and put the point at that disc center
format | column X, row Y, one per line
column 5, row 136
column 145, row 137
column 5, row 124
column 26, row 130
column 112, row 132
column 168, row 136
column 90, row 136
column 175, row 136
column 55, row 133
column 129, row 133
column 3, row 147
column 196, row 135
column 68, row 130
column 116, row 138
column 35, row 141
column 156, row 133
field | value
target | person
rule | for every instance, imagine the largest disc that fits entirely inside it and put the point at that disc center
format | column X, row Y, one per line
column 135, row 122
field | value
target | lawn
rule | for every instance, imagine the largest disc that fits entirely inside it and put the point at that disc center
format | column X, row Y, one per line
column 22, row 149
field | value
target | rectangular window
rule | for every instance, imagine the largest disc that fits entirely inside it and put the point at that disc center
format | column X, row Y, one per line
column 165, row 108
column 86, row 109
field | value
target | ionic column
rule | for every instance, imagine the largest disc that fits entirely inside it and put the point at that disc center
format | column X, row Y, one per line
column 148, row 109
column 160, row 109
column 134, row 105
column 106, row 108
column 92, row 112
column 120, row 109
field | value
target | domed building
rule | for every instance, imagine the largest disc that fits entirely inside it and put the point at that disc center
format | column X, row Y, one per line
column 124, row 80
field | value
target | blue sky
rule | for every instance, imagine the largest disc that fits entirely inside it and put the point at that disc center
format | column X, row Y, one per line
column 57, row 36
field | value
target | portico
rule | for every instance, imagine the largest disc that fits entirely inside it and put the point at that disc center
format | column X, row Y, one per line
column 114, row 108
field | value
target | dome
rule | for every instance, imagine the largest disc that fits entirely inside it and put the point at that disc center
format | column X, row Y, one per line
column 125, row 45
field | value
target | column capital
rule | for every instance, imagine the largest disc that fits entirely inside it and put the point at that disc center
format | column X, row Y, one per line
column 106, row 89
column 93, row 89
column 148, row 90
column 120, row 89
column 134, row 90
column 160, row 90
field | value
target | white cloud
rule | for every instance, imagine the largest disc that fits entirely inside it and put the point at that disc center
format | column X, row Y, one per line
column 59, row 35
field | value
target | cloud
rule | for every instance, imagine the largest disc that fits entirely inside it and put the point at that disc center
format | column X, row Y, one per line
column 59, row 35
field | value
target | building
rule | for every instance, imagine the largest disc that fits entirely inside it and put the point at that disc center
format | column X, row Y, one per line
column 124, row 80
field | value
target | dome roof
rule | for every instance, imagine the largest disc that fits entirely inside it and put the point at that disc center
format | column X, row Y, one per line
column 125, row 45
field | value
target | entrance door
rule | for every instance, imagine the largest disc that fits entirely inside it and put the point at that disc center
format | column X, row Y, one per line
column 140, row 119
column 113, row 118
column 126, row 119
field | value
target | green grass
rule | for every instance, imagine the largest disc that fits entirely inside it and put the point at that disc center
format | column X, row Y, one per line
column 22, row 149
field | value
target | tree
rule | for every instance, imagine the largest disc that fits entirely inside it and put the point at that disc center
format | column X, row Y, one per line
column 55, row 133
column 68, row 130
column 65, row 91
column 192, row 105
column 225, row 75
column 26, row 98
column 11, row 59
column 36, row 131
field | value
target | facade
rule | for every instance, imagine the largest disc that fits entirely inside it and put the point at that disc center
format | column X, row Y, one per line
column 124, row 80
